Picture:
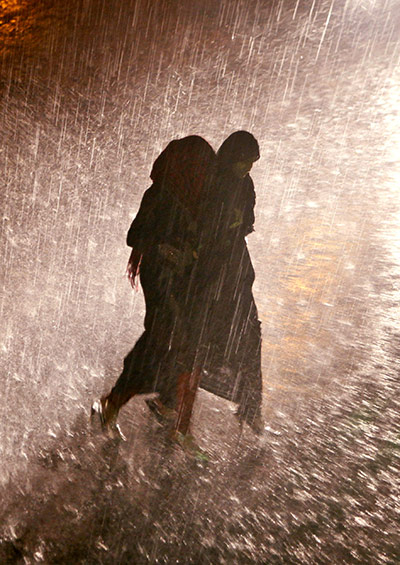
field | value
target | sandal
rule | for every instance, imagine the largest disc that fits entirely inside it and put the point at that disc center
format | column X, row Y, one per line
column 108, row 424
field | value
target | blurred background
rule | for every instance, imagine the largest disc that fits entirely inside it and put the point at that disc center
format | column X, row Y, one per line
column 91, row 92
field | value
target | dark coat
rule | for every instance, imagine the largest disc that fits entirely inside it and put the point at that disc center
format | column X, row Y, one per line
column 200, row 310
column 156, row 359
column 167, row 217
column 232, row 335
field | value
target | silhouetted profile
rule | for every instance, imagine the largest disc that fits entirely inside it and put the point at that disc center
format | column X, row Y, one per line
column 233, row 333
column 201, row 324
column 163, row 237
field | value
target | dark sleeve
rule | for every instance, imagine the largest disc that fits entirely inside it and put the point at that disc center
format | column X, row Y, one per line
column 142, row 233
column 233, row 219
column 248, row 216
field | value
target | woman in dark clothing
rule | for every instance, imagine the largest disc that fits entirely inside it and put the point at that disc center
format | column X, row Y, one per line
column 164, row 236
column 233, row 334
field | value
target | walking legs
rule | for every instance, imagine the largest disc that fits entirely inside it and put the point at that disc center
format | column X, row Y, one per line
column 187, row 385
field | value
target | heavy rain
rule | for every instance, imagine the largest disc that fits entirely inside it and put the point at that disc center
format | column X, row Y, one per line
column 91, row 92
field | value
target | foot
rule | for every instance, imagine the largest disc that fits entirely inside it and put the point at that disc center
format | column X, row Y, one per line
column 189, row 446
column 161, row 412
column 107, row 415
column 256, row 424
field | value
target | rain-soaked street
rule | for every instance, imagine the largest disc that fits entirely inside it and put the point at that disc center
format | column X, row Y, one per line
column 91, row 92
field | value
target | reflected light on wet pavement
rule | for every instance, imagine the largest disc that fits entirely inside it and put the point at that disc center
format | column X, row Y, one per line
column 92, row 90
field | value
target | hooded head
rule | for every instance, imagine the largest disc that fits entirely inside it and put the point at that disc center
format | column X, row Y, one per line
column 184, row 167
column 238, row 153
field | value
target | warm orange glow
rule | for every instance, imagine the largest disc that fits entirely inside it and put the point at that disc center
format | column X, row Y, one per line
column 19, row 24
column 296, row 324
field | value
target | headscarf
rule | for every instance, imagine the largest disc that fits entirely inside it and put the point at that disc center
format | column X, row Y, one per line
column 184, row 167
column 239, row 146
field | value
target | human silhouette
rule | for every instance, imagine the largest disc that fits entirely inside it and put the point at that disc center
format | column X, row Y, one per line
column 164, row 237
column 189, row 246
column 232, row 367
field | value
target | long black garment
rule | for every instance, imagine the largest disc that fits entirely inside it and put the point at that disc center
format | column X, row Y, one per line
column 164, row 234
column 200, row 311
column 232, row 331
column 155, row 360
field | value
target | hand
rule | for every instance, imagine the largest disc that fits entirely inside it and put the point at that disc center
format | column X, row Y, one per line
column 169, row 252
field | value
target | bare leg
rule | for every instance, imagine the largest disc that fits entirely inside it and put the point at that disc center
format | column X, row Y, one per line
column 187, row 386
column 130, row 382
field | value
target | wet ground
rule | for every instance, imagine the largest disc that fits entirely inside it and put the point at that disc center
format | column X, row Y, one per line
column 92, row 90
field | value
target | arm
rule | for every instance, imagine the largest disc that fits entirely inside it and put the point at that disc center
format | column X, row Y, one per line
column 250, row 201
column 142, row 232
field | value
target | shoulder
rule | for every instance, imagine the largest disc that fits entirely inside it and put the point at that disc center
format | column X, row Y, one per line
column 248, row 183
column 150, row 198
column 151, row 193
column 249, row 188
column 246, row 192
